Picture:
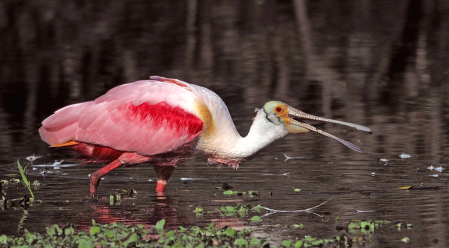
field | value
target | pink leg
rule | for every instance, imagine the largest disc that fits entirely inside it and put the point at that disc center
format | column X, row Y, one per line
column 163, row 173
column 96, row 176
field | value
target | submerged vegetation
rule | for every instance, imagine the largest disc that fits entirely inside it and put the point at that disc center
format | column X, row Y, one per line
column 24, row 201
column 118, row 234
column 357, row 232
column 250, row 193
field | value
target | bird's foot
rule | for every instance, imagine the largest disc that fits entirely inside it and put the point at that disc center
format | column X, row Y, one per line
column 94, row 182
column 93, row 191
column 93, row 195
column 160, row 195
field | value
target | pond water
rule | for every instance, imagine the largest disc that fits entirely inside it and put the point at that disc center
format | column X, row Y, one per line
column 380, row 64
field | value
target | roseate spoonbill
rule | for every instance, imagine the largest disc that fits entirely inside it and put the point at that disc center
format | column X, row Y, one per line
column 165, row 121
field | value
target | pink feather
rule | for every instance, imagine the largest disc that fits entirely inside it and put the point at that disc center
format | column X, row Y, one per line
column 145, row 117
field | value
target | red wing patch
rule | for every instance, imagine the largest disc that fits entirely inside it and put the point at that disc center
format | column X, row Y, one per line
column 97, row 153
column 107, row 154
column 163, row 114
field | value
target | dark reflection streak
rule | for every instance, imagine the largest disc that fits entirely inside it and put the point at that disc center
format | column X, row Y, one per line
column 13, row 98
column 404, row 54
column 435, row 44
column 87, row 72
column 44, row 92
column 385, row 31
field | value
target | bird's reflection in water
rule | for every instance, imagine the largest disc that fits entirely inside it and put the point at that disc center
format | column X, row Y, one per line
column 163, row 207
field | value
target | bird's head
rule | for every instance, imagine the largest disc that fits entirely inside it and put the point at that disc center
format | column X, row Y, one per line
column 279, row 113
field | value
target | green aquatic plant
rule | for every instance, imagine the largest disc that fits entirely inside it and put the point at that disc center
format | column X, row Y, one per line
column 364, row 226
column 116, row 198
column 239, row 210
column 23, row 218
column 230, row 192
column 14, row 180
column 249, row 193
column 256, row 219
column 400, row 225
column 120, row 235
column 198, row 209
column 299, row 226
column 159, row 227
column 25, row 180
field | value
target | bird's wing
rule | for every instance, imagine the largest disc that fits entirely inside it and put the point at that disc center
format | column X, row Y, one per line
column 216, row 117
column 148, row 117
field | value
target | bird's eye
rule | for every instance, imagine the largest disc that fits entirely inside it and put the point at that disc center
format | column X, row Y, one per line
column 278, row 109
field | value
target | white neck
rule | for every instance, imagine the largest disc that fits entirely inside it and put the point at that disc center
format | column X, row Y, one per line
column 229, row 147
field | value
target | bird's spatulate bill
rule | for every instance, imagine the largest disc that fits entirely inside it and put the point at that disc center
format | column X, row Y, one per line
column 314, row 129
column 299, row 114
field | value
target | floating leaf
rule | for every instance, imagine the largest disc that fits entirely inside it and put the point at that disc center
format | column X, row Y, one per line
column 160, row 225
column 309, row 238
column 255, row 242
column 50, row 231
column 68, row 230
column 405, row 188
column 130, row 239
column 14, row 180
column 230, row 208
column 82, row 243
column 287, row 243
column 256, row 219
column 241, row 242
column 230, row 192
column 256, row 208
column 230, row 232
column 299, row 243
column 242, row 209
column 94, row 230
column 211, row 227
column 3, row 239
column 253, row 193
column 196, row 231
column 300, row 226
column 198, row 210
column 110, row 234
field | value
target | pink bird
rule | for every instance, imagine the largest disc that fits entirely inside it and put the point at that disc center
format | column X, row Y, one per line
column 165, row 121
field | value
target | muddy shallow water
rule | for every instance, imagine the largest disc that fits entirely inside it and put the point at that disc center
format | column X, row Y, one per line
column 359, row 186
column 359, row 61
